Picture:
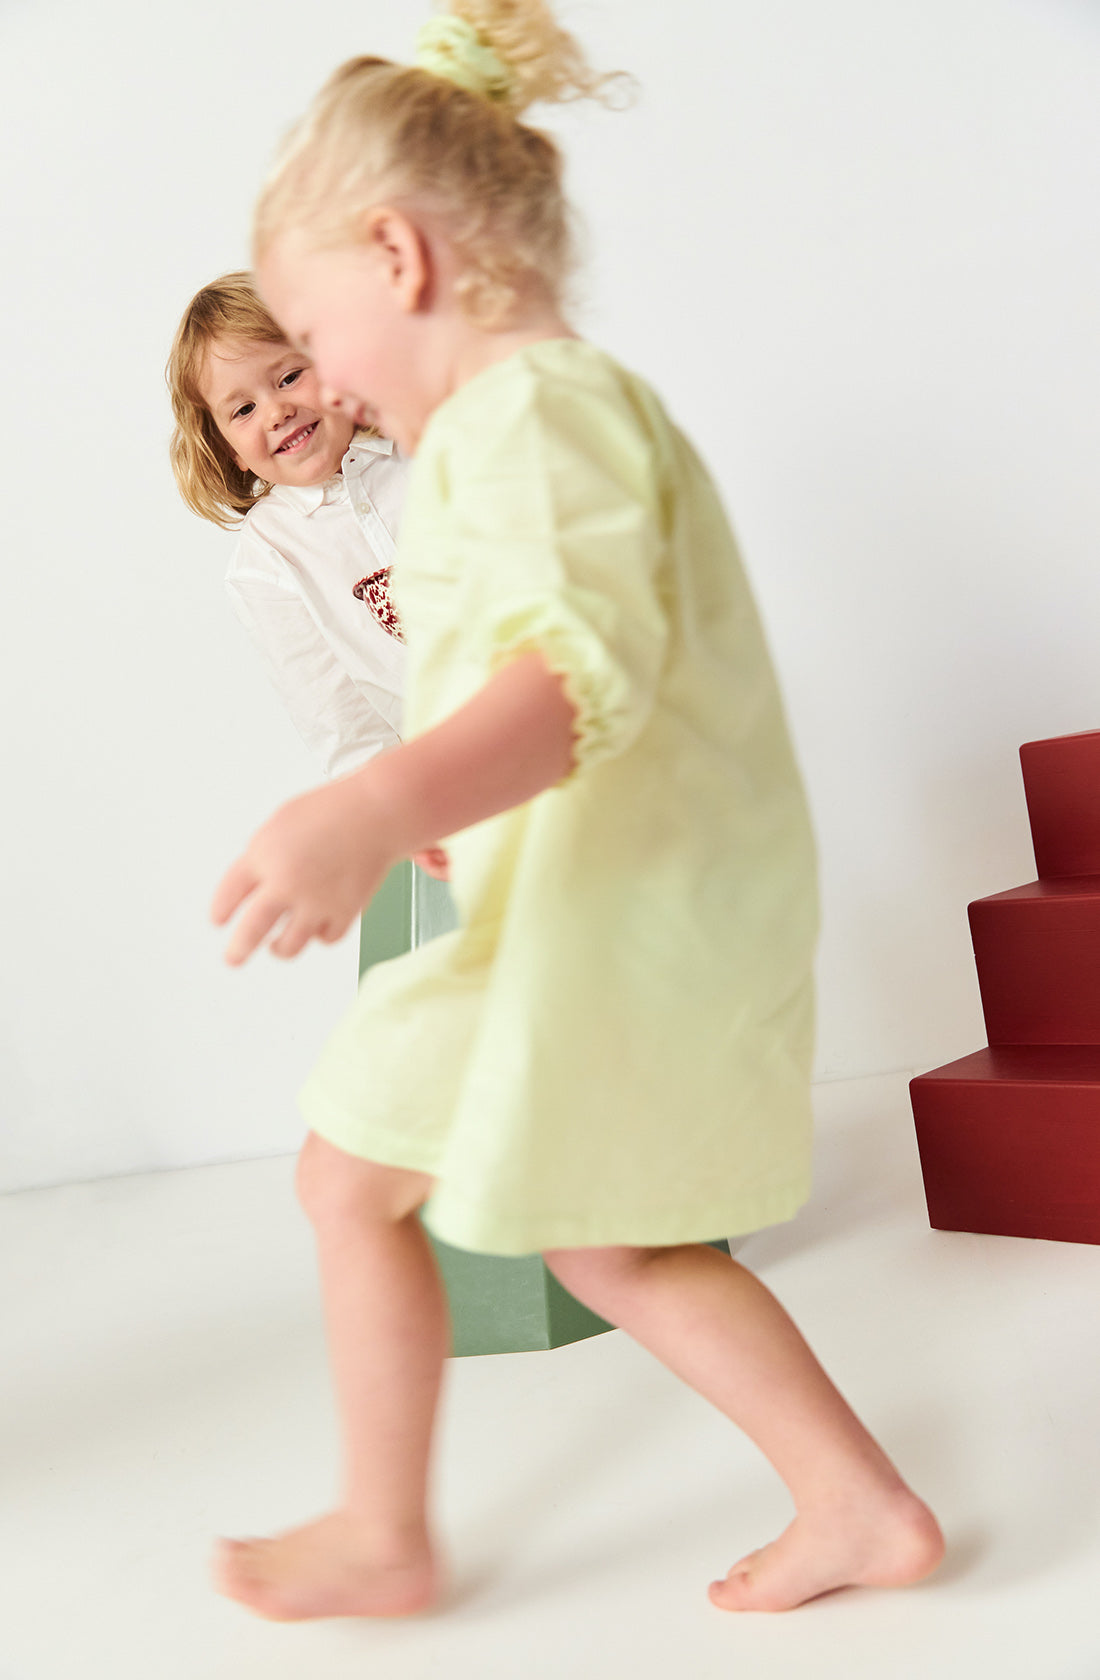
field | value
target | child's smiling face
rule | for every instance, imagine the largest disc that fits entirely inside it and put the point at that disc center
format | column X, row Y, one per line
column 265, row 402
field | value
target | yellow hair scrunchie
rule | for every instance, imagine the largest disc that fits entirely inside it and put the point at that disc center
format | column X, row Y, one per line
column 450, row 47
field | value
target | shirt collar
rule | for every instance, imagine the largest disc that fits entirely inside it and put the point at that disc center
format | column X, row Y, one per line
column 366, row 439
column 303, row 498
column 307, row 498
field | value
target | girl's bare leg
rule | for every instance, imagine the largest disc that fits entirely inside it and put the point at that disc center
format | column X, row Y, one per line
column 715, row 1325
column 388, row 1333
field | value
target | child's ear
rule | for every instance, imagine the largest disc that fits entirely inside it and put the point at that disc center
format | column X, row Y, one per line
column 403, row 253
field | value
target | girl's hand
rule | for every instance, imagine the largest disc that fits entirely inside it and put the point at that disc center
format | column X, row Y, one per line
column 311, row 868
column 320, row 858
column 435, row 862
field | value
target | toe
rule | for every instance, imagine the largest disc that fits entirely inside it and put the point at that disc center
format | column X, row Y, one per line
column 732, row 1592
column 235, row 1567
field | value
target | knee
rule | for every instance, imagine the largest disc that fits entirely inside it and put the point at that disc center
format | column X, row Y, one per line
column 334, row 1187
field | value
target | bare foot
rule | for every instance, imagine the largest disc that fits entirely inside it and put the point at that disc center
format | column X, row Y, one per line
column 892, row 1544
column 327, row 1568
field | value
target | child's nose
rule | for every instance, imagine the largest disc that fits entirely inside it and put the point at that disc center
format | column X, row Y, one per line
column 280, row 407
column 332, row 400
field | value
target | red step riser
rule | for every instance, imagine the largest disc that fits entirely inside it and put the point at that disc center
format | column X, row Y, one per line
column 1009, row 1137
column 1010, row 1160
column 1038, row 965
column 1062, row 785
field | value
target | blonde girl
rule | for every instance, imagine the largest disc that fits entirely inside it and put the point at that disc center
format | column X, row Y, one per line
column 620, row 1028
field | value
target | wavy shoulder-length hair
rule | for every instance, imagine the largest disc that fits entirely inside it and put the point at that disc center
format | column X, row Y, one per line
column 209, row 480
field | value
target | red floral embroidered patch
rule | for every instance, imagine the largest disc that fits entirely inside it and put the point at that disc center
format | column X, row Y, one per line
column 375, row 591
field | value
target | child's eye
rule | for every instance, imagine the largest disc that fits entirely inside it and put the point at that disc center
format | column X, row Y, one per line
column 244, row 411
column 289, row 378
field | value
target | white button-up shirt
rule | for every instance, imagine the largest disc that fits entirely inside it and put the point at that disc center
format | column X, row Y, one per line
column 291, row 581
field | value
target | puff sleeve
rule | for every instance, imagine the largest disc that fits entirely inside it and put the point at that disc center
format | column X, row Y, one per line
column 556, row 543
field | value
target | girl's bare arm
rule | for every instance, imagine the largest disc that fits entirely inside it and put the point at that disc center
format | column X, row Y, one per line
column 320, row 858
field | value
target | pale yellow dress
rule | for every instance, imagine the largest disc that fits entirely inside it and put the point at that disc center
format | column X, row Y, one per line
column 614, row 1047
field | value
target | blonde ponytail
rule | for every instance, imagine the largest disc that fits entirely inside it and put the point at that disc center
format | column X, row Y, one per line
column 546, row 64
column 442, row 136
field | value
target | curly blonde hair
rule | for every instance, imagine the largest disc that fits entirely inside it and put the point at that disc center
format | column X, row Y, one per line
column 379, row 132
column 209, row 480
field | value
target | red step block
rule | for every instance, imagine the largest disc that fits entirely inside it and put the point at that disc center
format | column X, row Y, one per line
column 1037, row 950
column 1062, row 786
column 1009, row 1142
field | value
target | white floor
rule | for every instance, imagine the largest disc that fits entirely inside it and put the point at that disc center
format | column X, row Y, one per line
column 163, row 1380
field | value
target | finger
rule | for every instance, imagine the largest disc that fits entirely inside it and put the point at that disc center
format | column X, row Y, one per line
column 298, row 932
column 293, row 936
column 257, row 921
column 232, row 890
column 435, row 862
column 332, row 931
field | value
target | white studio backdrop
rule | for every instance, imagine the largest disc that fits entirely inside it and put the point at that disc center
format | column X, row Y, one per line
column 855, row 245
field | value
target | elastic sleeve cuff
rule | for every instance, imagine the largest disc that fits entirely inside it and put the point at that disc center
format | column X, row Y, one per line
column 609, row 708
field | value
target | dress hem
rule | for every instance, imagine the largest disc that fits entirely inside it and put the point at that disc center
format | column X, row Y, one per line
column 480, row 1232
column 331, row 1122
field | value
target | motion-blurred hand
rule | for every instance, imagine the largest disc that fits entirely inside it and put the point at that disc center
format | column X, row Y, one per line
column 306, row 873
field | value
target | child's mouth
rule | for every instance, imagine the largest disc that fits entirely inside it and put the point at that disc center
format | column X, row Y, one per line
column 297, row 439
